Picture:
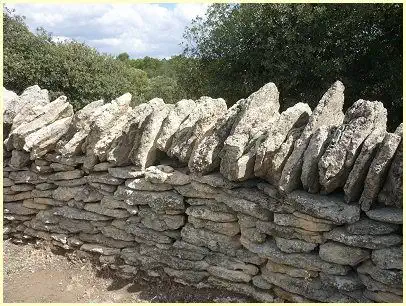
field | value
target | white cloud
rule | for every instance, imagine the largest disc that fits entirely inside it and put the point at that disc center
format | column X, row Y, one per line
column 138, row 29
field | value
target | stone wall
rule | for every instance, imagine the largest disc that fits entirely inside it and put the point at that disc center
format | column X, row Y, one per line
column 298, row 205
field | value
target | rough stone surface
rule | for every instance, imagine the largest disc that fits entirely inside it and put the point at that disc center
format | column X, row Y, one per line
column 390, row 258
column 342, row 254
column 387, row 214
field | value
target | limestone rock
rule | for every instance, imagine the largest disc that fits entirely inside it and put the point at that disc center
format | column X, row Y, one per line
column 266, row 163
column 187, row 275
column 206, row 153
column 144, row 155
column 125, row 172
column 342, row 254
column 291, row 220
column 11, row 104
column 387, row 214
column 234, row 276
column 158, row 175
column 328, row 112
column 71, row 142
column 73, row 213
column 383, row 297
column 365, row 241
column 203, row 212
column 390, row 258
column 307, row 261
column 259, row 110
column 325, row 207
column 294, row 245
column 346, row 145
column 97, row 208
column 366, row 226
column 172, row 122
column 289, row 270
column 225, row 228
column 389, row 277
column 349, row 282
column 314, row 151
column 30, row 105
column 378, row 170
column 193, row 128
column 374, row 285
column 66, row 175
column 143, row 184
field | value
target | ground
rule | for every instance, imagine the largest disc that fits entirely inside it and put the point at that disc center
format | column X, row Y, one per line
column 32, row 273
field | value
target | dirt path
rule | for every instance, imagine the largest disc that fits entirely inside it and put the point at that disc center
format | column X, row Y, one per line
column 32, row 273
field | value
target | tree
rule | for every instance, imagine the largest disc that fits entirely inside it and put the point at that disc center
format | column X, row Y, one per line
column 303, row 49
column 123, row 57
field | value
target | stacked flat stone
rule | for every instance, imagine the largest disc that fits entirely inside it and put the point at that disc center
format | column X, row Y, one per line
column 296, row 206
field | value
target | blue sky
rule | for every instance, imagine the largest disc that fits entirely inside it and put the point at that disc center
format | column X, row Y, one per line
column 138, row 29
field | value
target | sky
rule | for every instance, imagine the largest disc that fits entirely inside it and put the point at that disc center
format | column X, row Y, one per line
column 139, row 29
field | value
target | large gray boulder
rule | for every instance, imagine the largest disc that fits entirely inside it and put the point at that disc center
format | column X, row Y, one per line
column 203, row 117
column 336, row 163
column 259, row 111
column 327, row 113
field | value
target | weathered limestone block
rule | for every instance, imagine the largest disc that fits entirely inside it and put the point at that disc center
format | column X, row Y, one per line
column 327, row 113
column 145, row 153
column 94, row 248
column 378, row 170
column 342, row 254
column 382, row 297
column 116, row 233
column 104, row 178
column 353, row 187
column 225, row 228
column 364, row 241
column 22, row 187
column 349, row 282
column 172, row 122
column 367, row 226
column 291, row 220
column 203, row 117
column 230, row 263
column 19, row 159
column 66, row 175
column 73, row 213
column 166, row 175
column 242, row 288
column 234, row 276
column 29, row 203
column 244, row 206
column 317, row 146
column 18, row 209
column 206, row 153
column 143, row 184
column 325, row 207
column 30, row 104
column 190, row 276
column 124, row 143
column 272, row 229
column 294, row 245
column 392, row 191
column 125, row 172
column 289, row 270
column 387, row 214
column 374, row 285
column 389, row 277
column 11, row 104
column 390, row 258
column 307, row 261
column 54, row 111
column 260, row 282
column 266, row 163
column 71, row 142
column 97, row 208
column 253, row 234
column 346, row 145
column 70, row 161
column 71, row 183
column 17, row 197
column 192, row 191
column 259, row 110
column 160, row 222
column 204, row 212
column 105, row 241
column 214, row 241
column 140, row 231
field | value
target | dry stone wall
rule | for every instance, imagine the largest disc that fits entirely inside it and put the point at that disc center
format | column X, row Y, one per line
column 296, row 206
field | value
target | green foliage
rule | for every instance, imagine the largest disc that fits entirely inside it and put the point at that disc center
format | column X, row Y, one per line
column 302, row 48
column 69, row 68
column 123, row 56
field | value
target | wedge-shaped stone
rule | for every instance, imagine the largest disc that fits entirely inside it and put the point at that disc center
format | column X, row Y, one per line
column 378, row 170
column 266, row 162
column 206, row 153
column 172, row 122
column 327, row 113
column 306, row 261
column 314, row 151
column 214, row 241
column 71, row 142
column 326, row 207
column 342, row 254
column 259, row 110
column 364, row 241
column 346, row 144
column 204, row 116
